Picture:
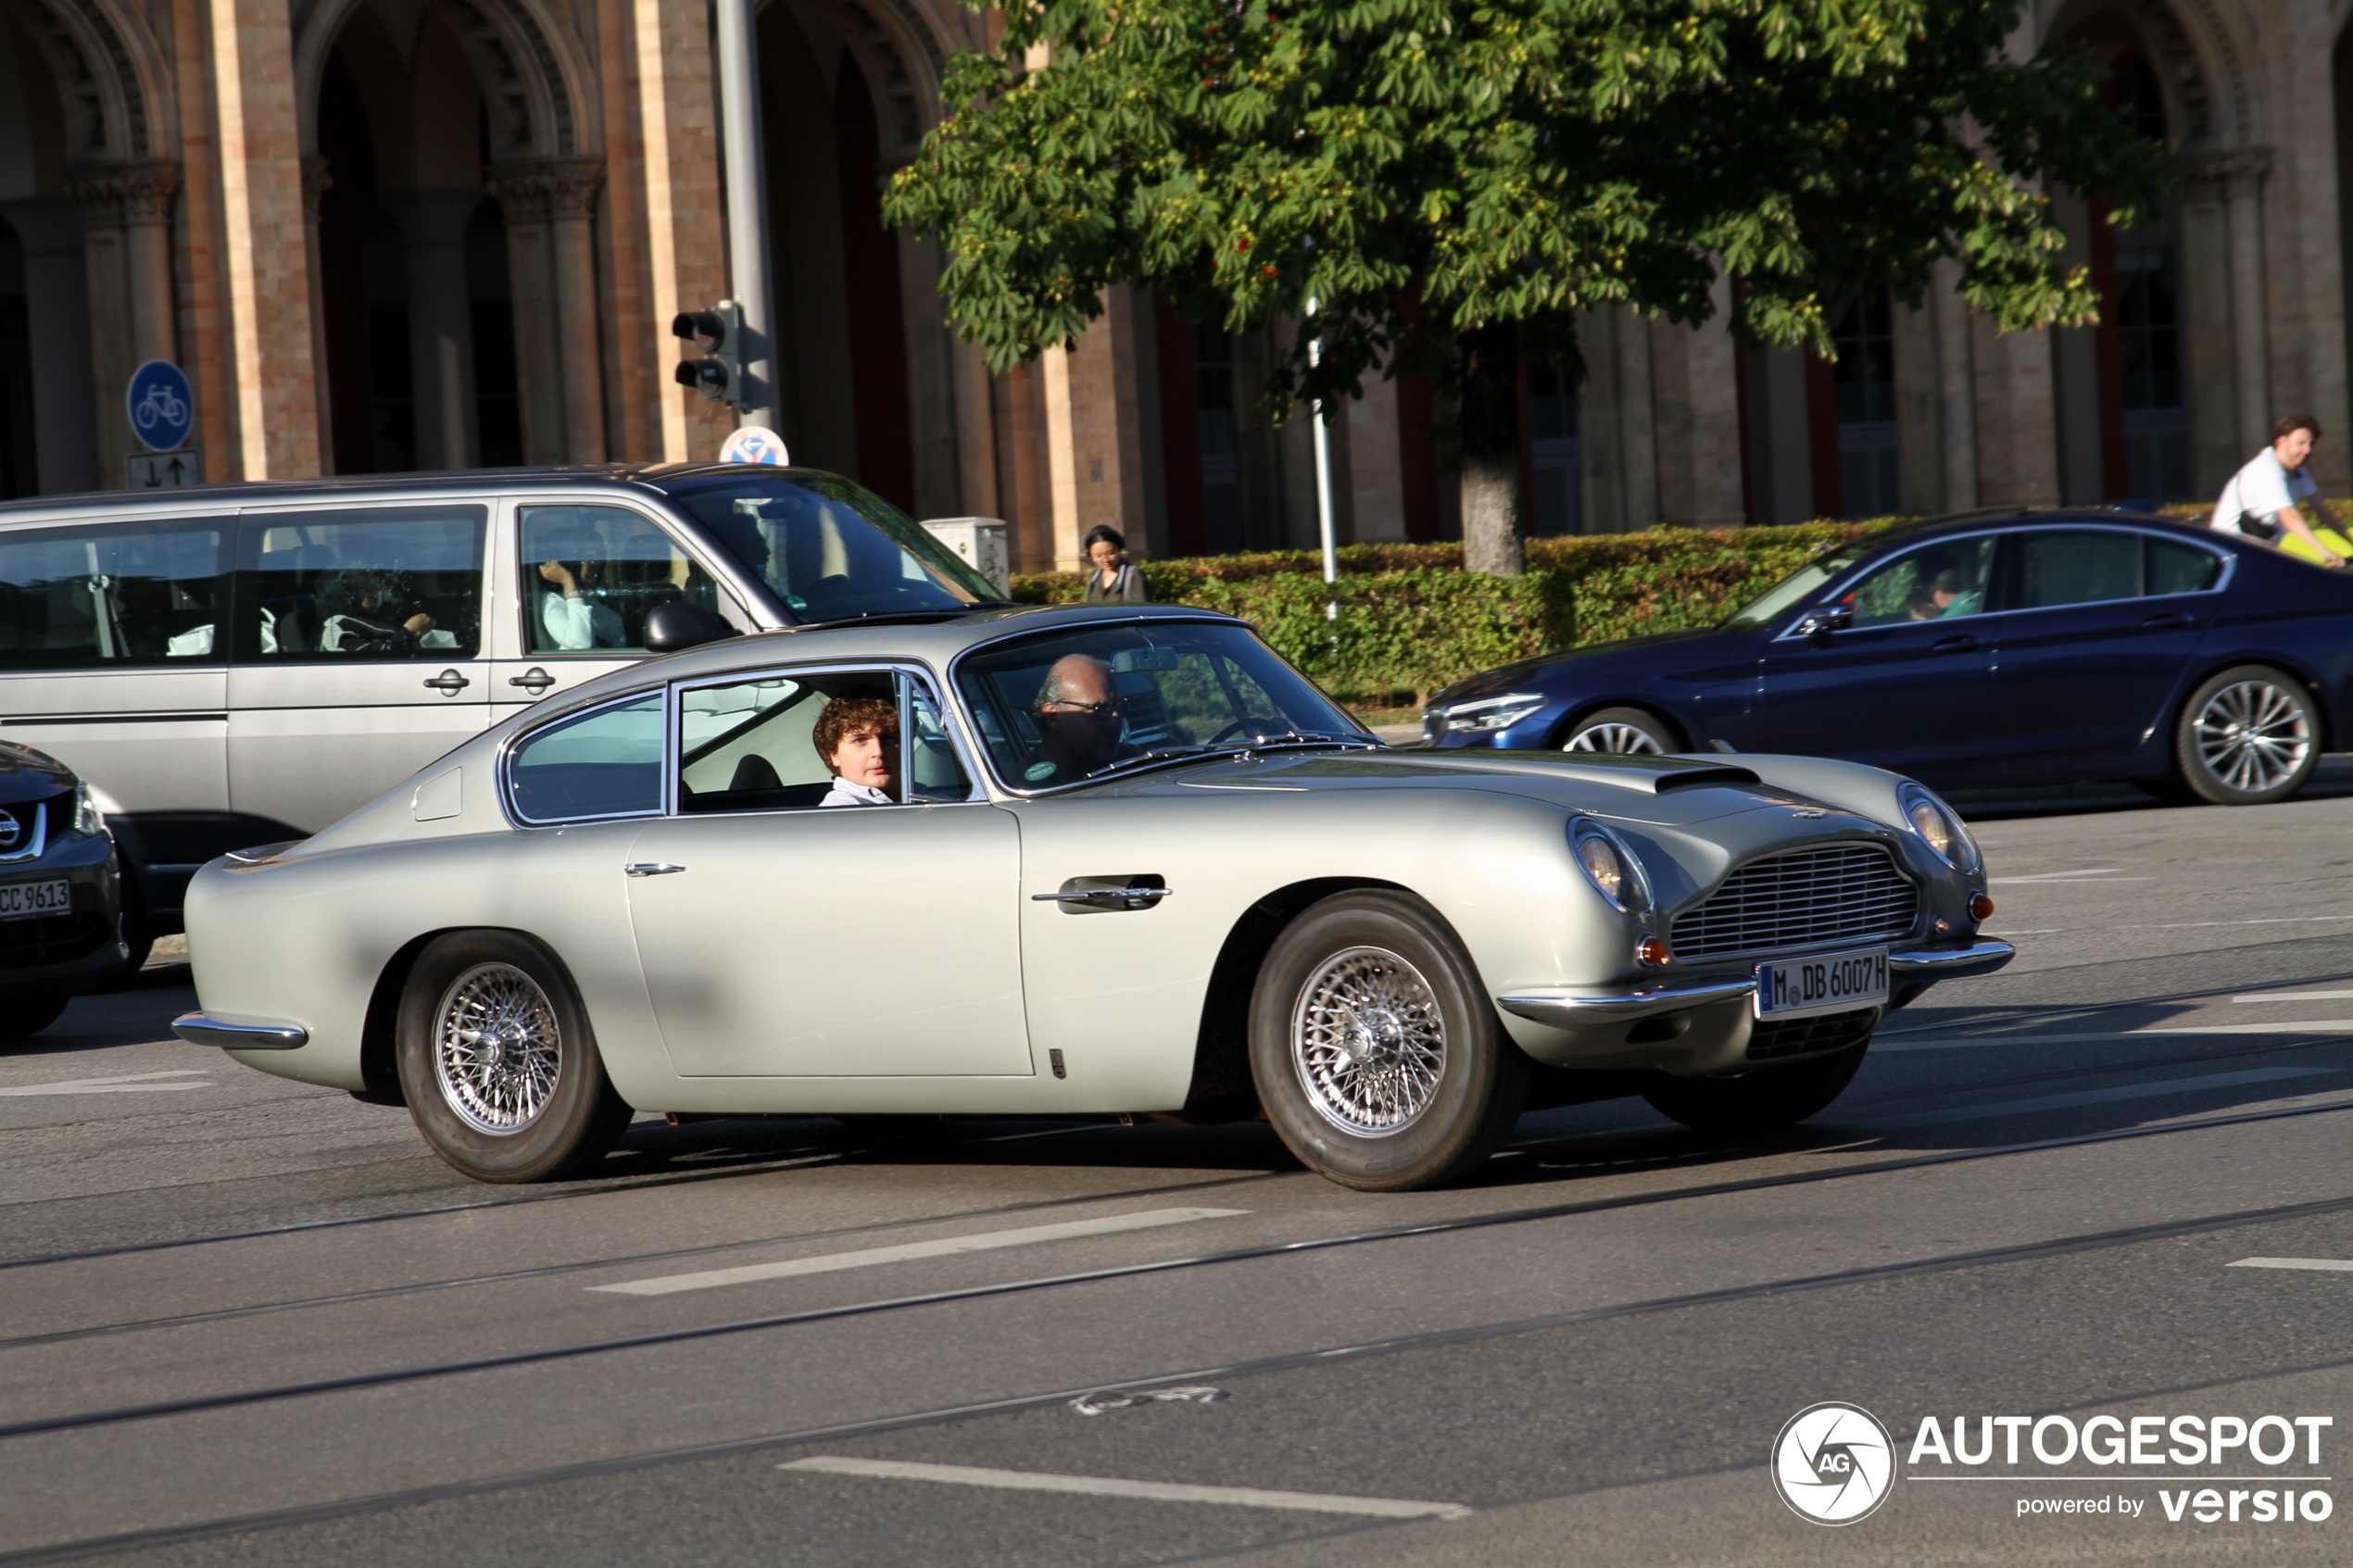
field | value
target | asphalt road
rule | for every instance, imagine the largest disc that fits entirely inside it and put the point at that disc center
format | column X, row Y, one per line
column 245, row 1322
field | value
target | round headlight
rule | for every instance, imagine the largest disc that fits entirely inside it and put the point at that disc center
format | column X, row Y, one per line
column 1609, row 866
column 1931, row 824
column 1604, row 864
column 1939, row 828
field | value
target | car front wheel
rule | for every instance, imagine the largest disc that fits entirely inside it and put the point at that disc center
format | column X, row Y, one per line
column 498, row 1064
column 1377, row 1055
column 1628, row 732
column 2248, row 737
column 1758, row 1101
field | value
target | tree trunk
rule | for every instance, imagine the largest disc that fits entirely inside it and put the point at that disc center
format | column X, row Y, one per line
column 1490, row 452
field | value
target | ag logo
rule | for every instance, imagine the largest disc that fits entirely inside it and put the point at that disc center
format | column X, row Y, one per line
column 1834, row 1464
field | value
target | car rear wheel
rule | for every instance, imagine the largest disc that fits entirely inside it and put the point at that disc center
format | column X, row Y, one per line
column 1377, row 1055
column 1759, row 1101
column 1625, row 730
column 498, row 1064
column 2248, row 737
column 26, row 1013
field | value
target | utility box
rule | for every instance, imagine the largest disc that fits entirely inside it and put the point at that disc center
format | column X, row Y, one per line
column 980, row 541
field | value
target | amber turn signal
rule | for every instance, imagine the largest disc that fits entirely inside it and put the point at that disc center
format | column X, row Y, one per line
column 1653, row 951
column 1980, row 906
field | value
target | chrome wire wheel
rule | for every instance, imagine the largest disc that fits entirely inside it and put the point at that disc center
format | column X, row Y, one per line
column 1625, row 740
column 497, row 1051
column 1369, row 1041
column 2253, row 736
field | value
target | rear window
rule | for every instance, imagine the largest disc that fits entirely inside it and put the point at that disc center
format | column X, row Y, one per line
column 76, row 598
column 606, row 763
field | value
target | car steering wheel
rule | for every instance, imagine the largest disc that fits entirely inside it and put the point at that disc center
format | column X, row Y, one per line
column 1228, row 730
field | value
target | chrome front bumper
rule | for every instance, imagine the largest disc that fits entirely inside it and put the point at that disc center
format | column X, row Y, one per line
column 198, row 1030
column 1568, row 1010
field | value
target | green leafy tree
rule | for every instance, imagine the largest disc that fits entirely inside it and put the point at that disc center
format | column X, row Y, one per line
column 1451, row 181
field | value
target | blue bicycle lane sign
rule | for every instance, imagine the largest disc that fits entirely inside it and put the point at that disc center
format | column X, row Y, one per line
column 163, row 407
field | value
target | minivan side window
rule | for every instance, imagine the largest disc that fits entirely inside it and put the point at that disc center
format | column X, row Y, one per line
column 606, row 763
column 333, row 586
column 591, row 575
column 97, row 597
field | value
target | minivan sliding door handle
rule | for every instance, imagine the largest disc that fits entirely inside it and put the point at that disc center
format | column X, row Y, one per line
column 534, row 680
column 449, row 682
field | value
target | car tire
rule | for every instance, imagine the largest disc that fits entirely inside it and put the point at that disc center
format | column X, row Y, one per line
column 1758, row 1101
column 535, row 1106
column 1622, row 731
column 2248, row 737
column 27, row 1012
column 1380, row 970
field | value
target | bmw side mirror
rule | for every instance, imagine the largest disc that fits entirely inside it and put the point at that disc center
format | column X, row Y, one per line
column 1830, row 618
column 676, row 626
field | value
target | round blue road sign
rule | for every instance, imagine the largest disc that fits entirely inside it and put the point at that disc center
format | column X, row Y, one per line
column 163, row 408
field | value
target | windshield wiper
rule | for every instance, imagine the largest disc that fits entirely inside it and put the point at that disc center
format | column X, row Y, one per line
column 1158, row 754
column 1296, row 738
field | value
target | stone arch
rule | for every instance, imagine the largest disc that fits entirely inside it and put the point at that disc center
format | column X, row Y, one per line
column 540, row 91
column 108, row 70
column 2199, row 51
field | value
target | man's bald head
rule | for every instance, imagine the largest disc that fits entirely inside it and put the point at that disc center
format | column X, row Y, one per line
column 1078, row 680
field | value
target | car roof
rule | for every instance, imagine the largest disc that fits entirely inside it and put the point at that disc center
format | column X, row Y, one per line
column 434, row 482
column 1912, row 529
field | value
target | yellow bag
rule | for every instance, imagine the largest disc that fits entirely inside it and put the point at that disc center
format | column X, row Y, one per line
column 2293, row 543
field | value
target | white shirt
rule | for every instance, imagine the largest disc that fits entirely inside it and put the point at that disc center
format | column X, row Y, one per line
column 844, row 793
column 573, row 624
column 2264, row 487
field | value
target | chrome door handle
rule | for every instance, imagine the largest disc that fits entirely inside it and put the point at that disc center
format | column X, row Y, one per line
column 1107, row 898
column 534, row 680
column 653, row 868
column 449, row 682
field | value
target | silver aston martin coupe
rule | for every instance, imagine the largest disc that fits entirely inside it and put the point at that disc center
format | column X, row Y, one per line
column 1067, row 862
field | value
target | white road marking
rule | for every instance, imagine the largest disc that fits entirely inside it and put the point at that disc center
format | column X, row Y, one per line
column 2328, row 1265
column 2107, row 872
column 946, row 1247
column 2317, row 1027
column 123, row 1084
column 1108, row 1487
column 2297, row 997
column 2097, row 1097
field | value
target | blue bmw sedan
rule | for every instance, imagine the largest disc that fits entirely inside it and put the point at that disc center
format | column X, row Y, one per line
column 1988, row 649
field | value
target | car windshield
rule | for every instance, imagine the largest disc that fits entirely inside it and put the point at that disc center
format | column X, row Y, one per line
column 828, row 549
column 1065, row 706
column 1799, row 587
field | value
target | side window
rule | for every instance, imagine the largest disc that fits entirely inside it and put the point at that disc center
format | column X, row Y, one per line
column 2181, row 569
column 143, row 593
column 2068, row 567
column 808, row 741
column 603, row 763
column 1935, row 582
column 390, row 584
column 591, row 575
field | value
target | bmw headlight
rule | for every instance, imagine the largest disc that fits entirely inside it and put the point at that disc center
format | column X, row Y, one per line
column 87, row 818
column 1486, row 714
column 1939, row 827
column 1610, row 866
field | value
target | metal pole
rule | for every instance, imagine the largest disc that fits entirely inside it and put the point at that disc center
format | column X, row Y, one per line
column 748, row 209
column 1322, row 464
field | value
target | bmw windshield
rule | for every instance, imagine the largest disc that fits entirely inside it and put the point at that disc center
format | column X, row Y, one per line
column 1798, row 587
column 828, row 549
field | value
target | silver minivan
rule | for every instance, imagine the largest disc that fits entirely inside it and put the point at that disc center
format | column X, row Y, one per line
column 233, row 665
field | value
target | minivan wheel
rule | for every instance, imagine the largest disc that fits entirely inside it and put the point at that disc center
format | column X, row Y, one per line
column 1758, row 1101
column 1628, row 732
column 2248, row 737
column 1378, row 1059
column 498, row 1064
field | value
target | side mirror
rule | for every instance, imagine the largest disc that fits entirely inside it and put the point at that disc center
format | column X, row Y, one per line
column 676, row 626
column 1830, row 618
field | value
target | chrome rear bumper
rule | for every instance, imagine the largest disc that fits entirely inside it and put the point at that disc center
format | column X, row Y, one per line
column 198, row 1030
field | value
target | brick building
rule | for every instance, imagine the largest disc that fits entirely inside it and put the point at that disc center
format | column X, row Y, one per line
column 388, row 235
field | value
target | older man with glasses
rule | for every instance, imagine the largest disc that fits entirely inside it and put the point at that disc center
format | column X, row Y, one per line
column 1078, row 720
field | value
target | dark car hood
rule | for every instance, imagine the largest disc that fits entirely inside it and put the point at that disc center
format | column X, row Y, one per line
column 27, row 774
column 1504, row 677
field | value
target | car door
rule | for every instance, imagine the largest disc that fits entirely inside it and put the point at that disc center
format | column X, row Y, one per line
column 585, row 576
column 357, row 653
column 783, row 938
column 2099, row 629
column 1899, row 675
column 112, row 660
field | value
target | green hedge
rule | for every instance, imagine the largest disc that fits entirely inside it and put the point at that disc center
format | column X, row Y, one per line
column 1405, row 619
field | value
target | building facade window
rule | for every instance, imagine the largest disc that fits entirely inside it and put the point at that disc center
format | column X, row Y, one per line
column 2149, row 329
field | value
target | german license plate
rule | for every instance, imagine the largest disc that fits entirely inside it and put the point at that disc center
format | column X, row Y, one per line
column 23, row 900
column 1840, row 983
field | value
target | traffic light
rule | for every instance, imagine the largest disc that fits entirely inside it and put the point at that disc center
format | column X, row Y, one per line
column 719, row 331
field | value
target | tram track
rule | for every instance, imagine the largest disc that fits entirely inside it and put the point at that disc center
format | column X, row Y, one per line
column 1460, row 1224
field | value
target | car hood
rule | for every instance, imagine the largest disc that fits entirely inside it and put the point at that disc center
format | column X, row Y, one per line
column 27, row 774
column 1504, row 677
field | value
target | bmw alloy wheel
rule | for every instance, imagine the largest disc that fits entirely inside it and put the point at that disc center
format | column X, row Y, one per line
column 497, row 1049
column 2253, row 736
column 1369, row 1041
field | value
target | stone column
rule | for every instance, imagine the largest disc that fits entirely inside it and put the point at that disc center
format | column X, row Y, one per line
column 441, row 347
column 1956, row 388
column 976, row 430
column 1637, row 424
column 58, row 312
column 1094, row 442
column 317, row 178
column 523, row 202
column 571, row 212
column 98, row 191
column 931, row 414
column 2243, row 176
column 2208, row 341
column 549, row 206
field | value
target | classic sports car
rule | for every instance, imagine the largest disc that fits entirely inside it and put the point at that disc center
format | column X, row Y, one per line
column 1117, row 860
column 1999, row 648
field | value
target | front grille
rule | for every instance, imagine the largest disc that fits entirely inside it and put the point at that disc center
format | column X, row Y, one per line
column 51, row 939
column 1844, row 893
column 1802, row 1036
